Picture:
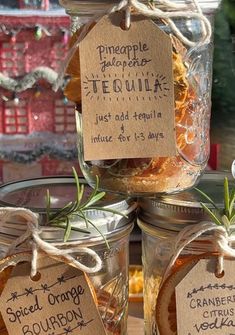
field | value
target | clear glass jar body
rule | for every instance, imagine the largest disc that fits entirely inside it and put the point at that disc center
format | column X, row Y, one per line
column 157, row 246
column 111, row 282
column 192, row 68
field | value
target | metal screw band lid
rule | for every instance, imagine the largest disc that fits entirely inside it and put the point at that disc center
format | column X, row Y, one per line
column 175, row 211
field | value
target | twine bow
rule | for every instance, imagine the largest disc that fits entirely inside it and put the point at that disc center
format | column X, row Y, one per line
column 33, row 232
column 221, row 242
column 173, row 11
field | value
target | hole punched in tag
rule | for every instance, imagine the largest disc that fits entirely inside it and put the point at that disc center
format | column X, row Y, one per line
column 36, row 277
column 219, row 274
column 125, row 23
column 219, row 271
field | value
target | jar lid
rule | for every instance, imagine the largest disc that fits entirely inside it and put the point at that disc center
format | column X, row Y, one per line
column 31, row 194
column 85, row 7
column 177, row 210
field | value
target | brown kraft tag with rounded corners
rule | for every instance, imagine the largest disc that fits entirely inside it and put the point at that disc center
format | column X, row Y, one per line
column 127, row 90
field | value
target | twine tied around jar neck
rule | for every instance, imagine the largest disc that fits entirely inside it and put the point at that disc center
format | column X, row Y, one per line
column 174, row 10
column 65, row 255
column 188, row 10
column 221, row 241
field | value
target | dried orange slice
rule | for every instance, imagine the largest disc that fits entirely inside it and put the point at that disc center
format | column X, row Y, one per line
column 166, row 301
column 181, row 85
column 72, row 90
column 73, row 68
column 136, row 280
column 130, row 167
column 92, row 289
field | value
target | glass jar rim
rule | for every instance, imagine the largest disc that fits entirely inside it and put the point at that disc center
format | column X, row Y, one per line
column 31, row 193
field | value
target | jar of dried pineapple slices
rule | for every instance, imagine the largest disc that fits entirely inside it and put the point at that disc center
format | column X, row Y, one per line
column 130, row 151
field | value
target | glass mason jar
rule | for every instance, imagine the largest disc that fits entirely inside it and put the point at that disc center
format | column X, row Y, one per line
column 111, row 282
column 192, row 69
column 161, row 220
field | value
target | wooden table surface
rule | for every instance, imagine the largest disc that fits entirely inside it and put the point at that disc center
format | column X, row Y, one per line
column 135, row 326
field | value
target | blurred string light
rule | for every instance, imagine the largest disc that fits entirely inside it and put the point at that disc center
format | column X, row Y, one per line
column 39, row 32
column 15, row 99
column 13, row 37
column 65, row 36
column 37, row 92
column 65, row 100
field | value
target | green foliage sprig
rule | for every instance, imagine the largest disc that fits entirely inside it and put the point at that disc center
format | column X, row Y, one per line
column 221, row 216
column 77, row 209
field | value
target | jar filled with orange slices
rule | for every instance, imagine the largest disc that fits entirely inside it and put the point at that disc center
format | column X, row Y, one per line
column 192, row 87
column 110, row 284
column 161, row 221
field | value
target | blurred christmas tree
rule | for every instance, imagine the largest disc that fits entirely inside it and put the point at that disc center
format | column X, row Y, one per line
column 223, row 105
